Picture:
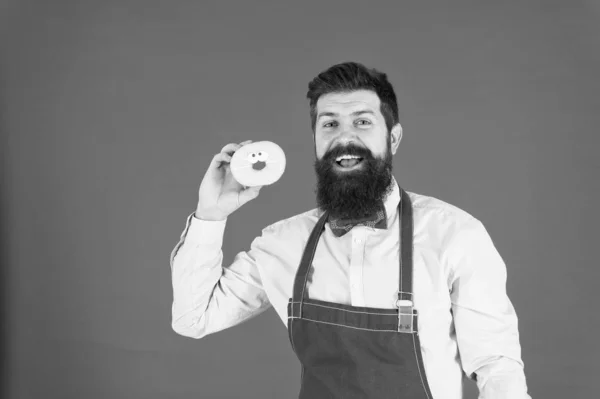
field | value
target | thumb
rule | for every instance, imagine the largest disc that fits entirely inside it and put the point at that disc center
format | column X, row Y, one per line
column 249, row 194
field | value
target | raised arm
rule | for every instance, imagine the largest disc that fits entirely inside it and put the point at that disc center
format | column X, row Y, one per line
column 208, row 297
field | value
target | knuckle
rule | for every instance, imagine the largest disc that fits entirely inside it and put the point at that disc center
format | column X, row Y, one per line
column 225, row 147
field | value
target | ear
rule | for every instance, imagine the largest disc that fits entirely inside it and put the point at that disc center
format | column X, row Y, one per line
column 396, row 137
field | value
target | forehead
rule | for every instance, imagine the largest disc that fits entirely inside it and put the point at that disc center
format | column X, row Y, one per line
column 349, row 102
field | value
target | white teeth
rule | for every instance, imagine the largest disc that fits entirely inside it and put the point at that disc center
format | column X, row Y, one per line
column 338, row 159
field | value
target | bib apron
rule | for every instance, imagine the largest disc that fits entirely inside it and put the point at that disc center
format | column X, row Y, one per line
column 358, row 352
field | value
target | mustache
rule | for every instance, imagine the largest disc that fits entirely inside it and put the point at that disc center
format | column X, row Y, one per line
column 332, row 154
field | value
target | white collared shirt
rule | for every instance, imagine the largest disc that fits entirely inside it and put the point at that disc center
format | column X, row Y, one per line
column 466, row 320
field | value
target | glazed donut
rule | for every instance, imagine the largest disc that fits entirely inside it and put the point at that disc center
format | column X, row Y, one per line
column 258, row 164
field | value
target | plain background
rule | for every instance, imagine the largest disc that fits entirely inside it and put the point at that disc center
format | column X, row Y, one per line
column 112, row 110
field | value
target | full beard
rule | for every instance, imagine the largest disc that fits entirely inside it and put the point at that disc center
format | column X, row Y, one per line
column 355, row 193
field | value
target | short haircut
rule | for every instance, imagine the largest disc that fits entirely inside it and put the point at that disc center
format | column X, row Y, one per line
column 351, row 76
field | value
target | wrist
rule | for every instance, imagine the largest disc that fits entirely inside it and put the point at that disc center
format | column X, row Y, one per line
column 206, row 216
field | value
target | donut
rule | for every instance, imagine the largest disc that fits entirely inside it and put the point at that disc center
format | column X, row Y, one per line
column 258, row 164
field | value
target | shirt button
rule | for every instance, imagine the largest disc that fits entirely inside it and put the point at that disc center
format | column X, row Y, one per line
column 357, row 240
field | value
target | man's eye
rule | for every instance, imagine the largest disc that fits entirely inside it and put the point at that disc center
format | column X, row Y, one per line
column 329, row 124
column 363, row 122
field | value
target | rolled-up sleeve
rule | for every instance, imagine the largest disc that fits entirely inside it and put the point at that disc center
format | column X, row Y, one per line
column 208, row 297
column 484, row 317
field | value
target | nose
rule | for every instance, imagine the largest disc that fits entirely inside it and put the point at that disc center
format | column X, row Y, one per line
column 346, row 137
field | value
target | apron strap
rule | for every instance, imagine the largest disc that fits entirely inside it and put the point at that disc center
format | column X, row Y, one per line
column 299, row 292
column 406, row 248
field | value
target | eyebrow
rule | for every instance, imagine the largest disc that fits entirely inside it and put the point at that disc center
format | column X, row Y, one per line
column 356, row 113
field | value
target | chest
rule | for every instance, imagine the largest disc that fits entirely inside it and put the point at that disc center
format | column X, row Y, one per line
column 364, row 271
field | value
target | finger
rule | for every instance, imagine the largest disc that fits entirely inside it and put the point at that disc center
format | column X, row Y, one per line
column 230, row 148
column 220, row 158
column 248, row 194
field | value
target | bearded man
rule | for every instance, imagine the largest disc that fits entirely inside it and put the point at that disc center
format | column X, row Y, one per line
column 386, row 293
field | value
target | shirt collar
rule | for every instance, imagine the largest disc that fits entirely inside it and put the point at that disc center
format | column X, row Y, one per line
column 391, row 201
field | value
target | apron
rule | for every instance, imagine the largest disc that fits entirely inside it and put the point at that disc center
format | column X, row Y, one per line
column 358, row 352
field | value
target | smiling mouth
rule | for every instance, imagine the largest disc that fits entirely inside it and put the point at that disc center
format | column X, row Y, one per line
column 349, row 163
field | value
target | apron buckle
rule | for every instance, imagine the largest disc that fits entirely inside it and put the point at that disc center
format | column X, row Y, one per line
column 405, row 315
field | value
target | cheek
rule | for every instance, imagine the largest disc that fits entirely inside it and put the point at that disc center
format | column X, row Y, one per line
column 379, row 145
column 319, row 153
column 321, row 148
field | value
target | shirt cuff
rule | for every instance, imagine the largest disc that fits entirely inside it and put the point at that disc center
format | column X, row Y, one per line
column 205, row 232
column 503, row 378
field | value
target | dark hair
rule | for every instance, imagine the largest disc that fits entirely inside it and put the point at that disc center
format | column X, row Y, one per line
column 352, row 76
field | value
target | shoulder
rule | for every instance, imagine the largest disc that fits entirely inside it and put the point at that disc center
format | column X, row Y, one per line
column 460, row 240
column 426, row 206
column 441, row 224
column 300, row 224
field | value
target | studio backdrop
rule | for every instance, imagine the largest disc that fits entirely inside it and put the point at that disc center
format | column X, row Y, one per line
column 111, row 112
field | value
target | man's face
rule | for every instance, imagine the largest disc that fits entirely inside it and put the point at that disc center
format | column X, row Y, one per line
column 350, row 125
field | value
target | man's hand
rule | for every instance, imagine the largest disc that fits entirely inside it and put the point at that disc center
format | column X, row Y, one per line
column 220, row 194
